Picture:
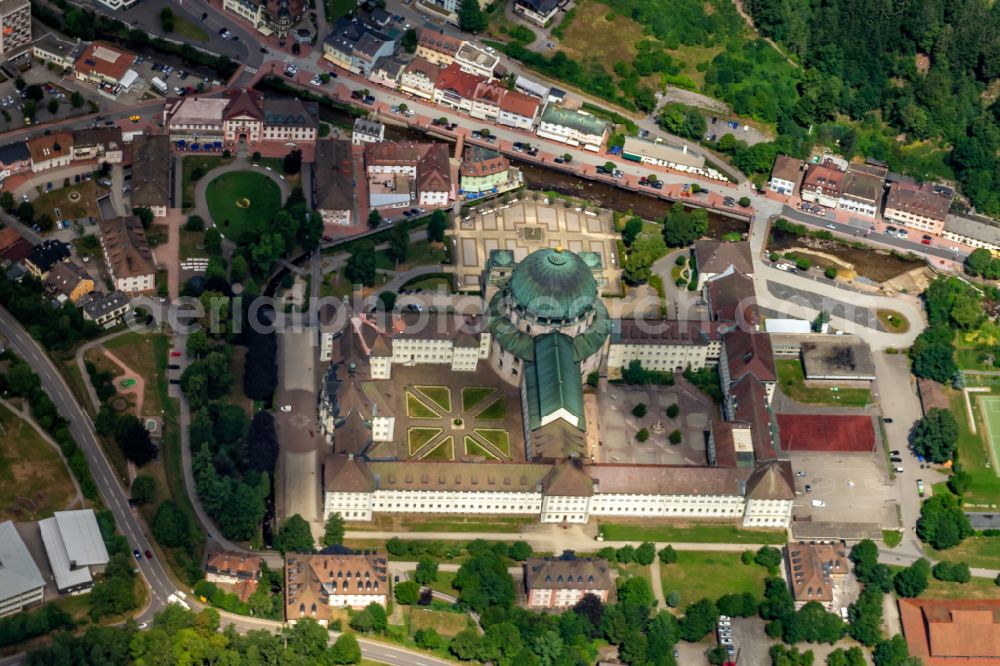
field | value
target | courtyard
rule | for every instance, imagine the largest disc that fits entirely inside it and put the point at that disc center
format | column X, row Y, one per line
column 445, row 415
column 241, row 201
column 619, row 424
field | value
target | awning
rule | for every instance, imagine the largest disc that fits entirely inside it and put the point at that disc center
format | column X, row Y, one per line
column 181, row 143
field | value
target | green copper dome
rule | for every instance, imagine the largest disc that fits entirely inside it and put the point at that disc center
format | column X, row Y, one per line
column 553, row 284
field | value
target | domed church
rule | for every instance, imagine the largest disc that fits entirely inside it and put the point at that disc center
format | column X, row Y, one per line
column 548, row 328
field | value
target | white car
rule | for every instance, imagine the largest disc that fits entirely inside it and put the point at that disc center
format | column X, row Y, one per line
column 819, row 504
column 830, row 226
column 898, row 470
column 286, row 408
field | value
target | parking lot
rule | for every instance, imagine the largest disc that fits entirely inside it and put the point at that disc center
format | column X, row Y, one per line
column 851, row 487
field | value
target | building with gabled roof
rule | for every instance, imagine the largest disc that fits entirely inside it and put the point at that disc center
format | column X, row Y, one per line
column 15, row 158
column 51, row 151
column 151, row 165
column 102, row 63
column 436, row 47
column 822, row 184
column 405, row 174
column 334, row 192
column 952, row 632
column 923, row 207
column 730, row 297
column 105, row 309
column 69, row 281
column 518, row 110
column 127, row 254
column 786, row 175
column 456, row 88
column 562, row 581
column 317, row 583
column 420, row 78
column 862, row 190
column 103, row 144
column 576, row 128
column 232, row 568
column 75, row 549
column 44, row 256
column 815, row 569
column 21, row 583
column 663, row 345
column 714, row 258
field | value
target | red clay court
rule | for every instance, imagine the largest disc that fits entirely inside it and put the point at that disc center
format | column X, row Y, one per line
column 826, row 433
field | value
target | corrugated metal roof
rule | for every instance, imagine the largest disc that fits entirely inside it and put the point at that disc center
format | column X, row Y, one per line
column 84, row 543
column 18, row 572
column 553, row 381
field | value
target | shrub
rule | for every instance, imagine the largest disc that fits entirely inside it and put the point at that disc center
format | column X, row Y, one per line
column 957, row 572
column 830, row 272
column 675, row 437
column 642, row 435
column 668, row 555
column 673, row 410
column 802, row 263
column 639, row 410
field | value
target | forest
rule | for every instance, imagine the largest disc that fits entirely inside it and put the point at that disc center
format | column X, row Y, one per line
column 928, row 68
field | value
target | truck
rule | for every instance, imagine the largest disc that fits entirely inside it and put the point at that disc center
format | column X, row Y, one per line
column 160, row 86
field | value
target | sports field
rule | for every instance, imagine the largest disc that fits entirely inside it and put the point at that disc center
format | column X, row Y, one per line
column 989, row 405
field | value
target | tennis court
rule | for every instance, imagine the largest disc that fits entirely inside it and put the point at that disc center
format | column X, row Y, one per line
column 989, row 405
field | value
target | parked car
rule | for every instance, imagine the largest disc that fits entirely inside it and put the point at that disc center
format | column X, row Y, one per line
column 149, row 555
column 137, row 554
column 819, row 504
column 175, row 354
column 800, row 474
column 898, row 470
column 809, row 488
column 887, row 419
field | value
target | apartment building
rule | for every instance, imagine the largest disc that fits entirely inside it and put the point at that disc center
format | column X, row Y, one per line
column 576, row 128
column 21, row 583
column 103, row 144
column 563, row 581
column 151, row 161
column 334, row 193
column 15, row 158
column 973, row 230
column 518, row 110
column 45, row 256
column 862, row 190
column 822, row 184
column 404, row 174
column 129, row 259
column 232, row 568
column 539, row 12
column 315, row 584
column 483, row 170
column 437, row 48
column 356, row 46
column 786, row 175
column 15, row 25
column 69, row 281
column 456, row 88
column 105, row 309
column 367, row 131
column 50, row 151
column 420, row 78
column 476, row 60
column 922, row 207
column 386, row 71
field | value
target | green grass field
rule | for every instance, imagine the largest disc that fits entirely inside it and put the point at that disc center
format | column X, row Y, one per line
column 983, row 552
column 34, row 482
column 227, row 190
column 497, row 410
column 702, row 574
column 497, row 438
column 704, row 533
column 792, row 382
column 417, row 437
column 473, row 395
column 990, row 408
column 415, row 409
column 446, row 623
column 984, row 487
column 474, row 448
column 443, row 451
column 440, row 395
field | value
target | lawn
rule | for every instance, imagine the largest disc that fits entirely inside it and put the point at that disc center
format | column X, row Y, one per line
column 230, row 191
column 189, row 30
column 473, row 395
column 418, row 437
column 34, row 482
column 984, row 487
column 497, row 438
column 697, row 533
column 473, row 448
column 893, row 321
column 57, row 205
column 421, row 253
column 982, row 552
column 433, row 284
column 497, row 410
column 418, row 410
column 337, row 8
column 192, row 163
column 792, row 382
column 192, row 244
column 147, row 356
column 977, row 588
column 88, row 246
column 446, row 623
column 701, row 574
column 443, row 583
column 892, row 538
column 443, row 451
column 440, row 395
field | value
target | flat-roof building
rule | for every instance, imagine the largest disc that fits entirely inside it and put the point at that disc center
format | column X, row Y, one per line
column 661, row 153
column 837, row 358
column 15, row 25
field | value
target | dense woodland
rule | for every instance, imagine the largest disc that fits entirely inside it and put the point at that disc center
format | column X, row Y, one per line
column 927, row 67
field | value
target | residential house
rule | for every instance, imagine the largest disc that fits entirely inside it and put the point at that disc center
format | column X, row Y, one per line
column 50, row 151
column 483, row 170
column 355, row 46
column 232, row 568
column 786, row 175
column 475, row 60
column 21, row 583
column 456, row 87
column 44, row 256
column 317, row 583
column 922, row 207
column 576, row 128
column 52, row 49
column 15, row 158
column 103, row 144
column 75, row 549
column 952, row 632
column 13, row 247
column 815, row 570
column 367, row 131
column 486, row 100
column 130, row 262
column 437, row 48
column 151, row 162
column 822, row 184
column 518, row 110
column 69, row 280
column 714, row 258
column 386, row 71
column 334, row 192
column 105, row 309
column 862, row 190
column 420, row 78
column 562, row 582
column 103, row 64
column 539, row 12
column 15, row 25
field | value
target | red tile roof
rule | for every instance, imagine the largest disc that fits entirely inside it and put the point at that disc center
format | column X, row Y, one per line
column 750, row 353
column 751, row 407
column 952, row 632
column 105, row 60
column 461, row 83
column 826, row 179
column 519, row 104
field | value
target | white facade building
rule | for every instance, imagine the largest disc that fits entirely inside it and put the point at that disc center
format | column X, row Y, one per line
column 21, row 583
column 575, row 128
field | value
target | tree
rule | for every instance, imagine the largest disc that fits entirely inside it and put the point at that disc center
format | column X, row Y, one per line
column 333, row 531
column 642, row 435
column 26, row 212
column 913, row 580
column 409, row 41
column 7, row 201
column 635, row 590
column 645, row 554
column 567, row 158
column 360, row 268
column 34, row 92
column 471, row 18
column 632, row 229
column 167, row 19
column 668, row 555
column 699, row 619
column 145, row 214
column 737, row 604
column 892, row 652
column 295, row 536
column 483, row 581
column 680, row 228
column 646, row 248
column 292, row 162
column 744, row 202
column 768, row 556
column 717, row 655
column 143, row 489
column 942, row 522
column 134, row 441
column 407, row 592
column 673, row 410
column 399, row 244
column 374, row 218
column 428, row 639
column 345, row 650
column 436, row 225
column 982, row 263
column 935, row 436
column 76, row 99
column 170, row 526
column 53, row 106
column 519, row 551
column 591, row 608
column 194, row 223
column 957, row 572
column 675, row 437
column 625, row 554
column 465, row 644
column 639, row 410
column 609, row 167
column 426, row 572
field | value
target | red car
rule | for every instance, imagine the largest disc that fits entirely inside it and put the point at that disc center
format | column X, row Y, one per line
column 175, row 354
column 149, row 555
column 925, row 241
